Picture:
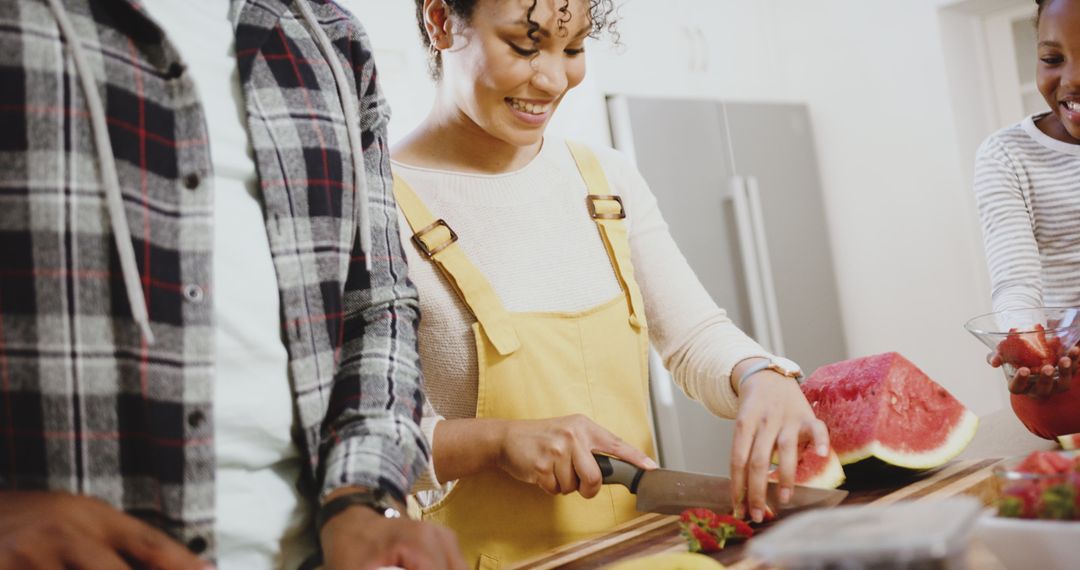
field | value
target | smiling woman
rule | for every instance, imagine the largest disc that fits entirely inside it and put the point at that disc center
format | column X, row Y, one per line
column 539, row 263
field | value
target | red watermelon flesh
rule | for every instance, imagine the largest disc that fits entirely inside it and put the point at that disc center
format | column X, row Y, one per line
column 814, row 470
column 1054, row 415
column 883, row 406
column 1071, row 441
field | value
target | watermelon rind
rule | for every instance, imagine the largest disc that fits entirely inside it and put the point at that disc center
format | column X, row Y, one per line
column 958, row 439
column 1071, row 441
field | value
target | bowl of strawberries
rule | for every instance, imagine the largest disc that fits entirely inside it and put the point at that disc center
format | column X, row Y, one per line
column 1044, row 485
column 1037, row 522
column 1035, row 341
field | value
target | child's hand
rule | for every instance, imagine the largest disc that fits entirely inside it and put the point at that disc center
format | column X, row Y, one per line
column 1041, row 383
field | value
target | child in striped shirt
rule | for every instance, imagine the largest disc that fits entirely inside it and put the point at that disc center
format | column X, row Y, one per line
column 1027, row 186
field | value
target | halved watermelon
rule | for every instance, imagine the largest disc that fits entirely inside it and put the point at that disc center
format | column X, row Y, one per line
column 1071, row 441
column 883, row 406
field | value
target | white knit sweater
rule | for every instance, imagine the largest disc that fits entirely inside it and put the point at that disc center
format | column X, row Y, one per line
column 530, row 234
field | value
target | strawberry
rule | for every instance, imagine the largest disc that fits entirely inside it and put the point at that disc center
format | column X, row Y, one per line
column 1020, row 501
column 1029, row 349
column 703, row 540
column 742, row 529
column 706, row 531
column 1045, row 463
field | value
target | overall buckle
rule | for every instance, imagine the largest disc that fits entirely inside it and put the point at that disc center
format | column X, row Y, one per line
column 418, row 238
column 591, row 201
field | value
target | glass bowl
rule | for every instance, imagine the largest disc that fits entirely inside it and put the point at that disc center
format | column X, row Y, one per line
column 1044, row 485
column 1030, row 338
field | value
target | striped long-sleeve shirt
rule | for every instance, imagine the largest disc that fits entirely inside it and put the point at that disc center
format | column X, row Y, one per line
column 1027, row 186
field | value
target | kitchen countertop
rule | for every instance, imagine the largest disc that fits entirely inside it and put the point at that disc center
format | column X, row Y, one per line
column 999, row 435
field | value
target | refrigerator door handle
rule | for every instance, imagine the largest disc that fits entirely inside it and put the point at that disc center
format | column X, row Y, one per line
column 751, row 260
column 761, row 244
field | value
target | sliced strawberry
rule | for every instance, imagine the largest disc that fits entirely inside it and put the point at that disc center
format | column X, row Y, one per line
column 1045, row 463
column 1028, row 349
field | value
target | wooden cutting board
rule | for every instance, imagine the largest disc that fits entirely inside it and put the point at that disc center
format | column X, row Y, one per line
column 654, row 534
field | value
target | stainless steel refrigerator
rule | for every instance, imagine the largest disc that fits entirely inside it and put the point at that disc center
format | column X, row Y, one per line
column 738, row 185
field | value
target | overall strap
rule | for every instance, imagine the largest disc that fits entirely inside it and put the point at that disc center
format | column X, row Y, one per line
column 436, row 241
column 607, row 211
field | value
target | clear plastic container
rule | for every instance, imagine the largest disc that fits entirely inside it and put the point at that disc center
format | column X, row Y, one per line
column 924, row 535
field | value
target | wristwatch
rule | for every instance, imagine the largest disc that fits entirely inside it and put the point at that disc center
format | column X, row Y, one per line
column 378, row 500
column 780, row 365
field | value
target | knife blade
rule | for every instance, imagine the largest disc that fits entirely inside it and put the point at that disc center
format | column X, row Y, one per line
column 670, row 492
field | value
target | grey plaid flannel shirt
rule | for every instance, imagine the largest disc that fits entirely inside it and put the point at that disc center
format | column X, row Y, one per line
column 86, row 405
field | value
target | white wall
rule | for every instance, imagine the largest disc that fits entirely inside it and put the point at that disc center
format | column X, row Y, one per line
column 895, row 171
column 905, row 237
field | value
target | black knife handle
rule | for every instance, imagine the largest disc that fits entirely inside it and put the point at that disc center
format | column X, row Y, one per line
column 618, row 471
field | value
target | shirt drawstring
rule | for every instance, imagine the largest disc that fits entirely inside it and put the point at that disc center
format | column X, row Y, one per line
column 352, row 125
column 113, row 198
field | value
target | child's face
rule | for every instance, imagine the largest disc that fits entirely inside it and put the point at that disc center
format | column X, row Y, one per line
column 502, row 81
column 1058, row 73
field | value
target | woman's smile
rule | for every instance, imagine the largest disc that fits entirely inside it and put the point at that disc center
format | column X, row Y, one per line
column 531, row 111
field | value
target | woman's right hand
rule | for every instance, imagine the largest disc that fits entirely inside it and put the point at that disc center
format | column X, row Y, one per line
column 1039, row 383
column 556, row 454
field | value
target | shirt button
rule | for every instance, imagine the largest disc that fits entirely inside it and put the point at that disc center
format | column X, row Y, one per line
column 191, row 181
column 176, row 69
column 193, row 293
column 196, row 418
column 197, row 545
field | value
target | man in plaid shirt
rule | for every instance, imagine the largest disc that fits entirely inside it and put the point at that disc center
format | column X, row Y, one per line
column 116, row 415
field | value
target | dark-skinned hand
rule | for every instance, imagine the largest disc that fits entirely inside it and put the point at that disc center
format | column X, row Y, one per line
column 1040, row 383
column 359, row 538
column 55, row 531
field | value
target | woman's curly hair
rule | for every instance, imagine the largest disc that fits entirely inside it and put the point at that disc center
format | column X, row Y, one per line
column 601, row 15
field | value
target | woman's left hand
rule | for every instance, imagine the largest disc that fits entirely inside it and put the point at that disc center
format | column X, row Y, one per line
column 773, row 415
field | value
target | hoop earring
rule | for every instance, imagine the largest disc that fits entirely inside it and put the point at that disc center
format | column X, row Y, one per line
column 433, row 50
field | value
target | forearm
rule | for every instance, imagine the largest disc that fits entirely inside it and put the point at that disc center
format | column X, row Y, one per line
column 1012, row 251
column 708, row 365
column 466, row 447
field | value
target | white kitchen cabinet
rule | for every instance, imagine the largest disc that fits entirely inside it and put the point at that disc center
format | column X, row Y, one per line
column 715, row 48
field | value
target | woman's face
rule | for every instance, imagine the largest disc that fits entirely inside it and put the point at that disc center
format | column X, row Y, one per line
column 1058, row 72
column 501, row 79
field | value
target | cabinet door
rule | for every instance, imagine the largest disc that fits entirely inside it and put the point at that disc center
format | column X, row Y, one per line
column 773, row 144
column 657, row 53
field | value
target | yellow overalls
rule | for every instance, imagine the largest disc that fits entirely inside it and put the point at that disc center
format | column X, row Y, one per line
column 543, row 365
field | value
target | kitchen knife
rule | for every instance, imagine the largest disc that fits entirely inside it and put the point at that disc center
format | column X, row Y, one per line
column 670, row 492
